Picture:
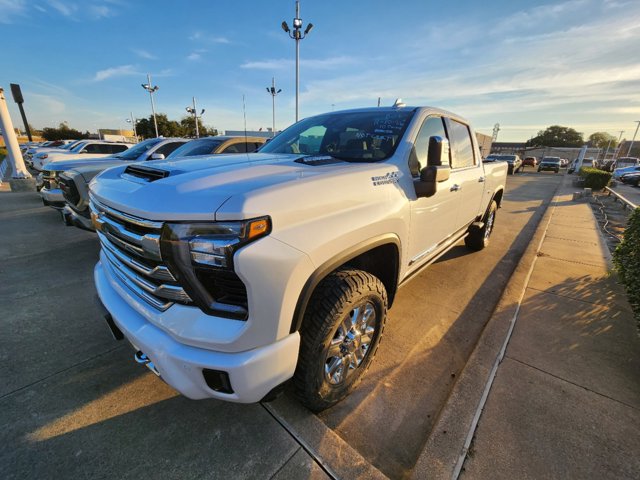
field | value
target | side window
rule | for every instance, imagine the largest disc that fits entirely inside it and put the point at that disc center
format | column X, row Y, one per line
column 167, row 148
column 92, row 148
column 253, row 146
column 115, row 148
column 432, row 126
column 461, row 145
column 236, row 148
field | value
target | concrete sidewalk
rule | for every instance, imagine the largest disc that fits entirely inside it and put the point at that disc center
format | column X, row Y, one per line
column 565, row 402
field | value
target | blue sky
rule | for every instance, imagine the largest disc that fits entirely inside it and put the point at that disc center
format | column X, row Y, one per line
column 523, row 64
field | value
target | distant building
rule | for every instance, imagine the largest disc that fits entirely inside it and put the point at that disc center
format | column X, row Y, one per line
column 508, row 148
column 249, row 133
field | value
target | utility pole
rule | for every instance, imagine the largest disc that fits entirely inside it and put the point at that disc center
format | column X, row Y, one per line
column 132, row 121
column 152, row 89
column 194, row 111
column 13, row 149
column 617, row 150
column 297, row 36
column 496, row 129
column 634, row 138
column 273, row 92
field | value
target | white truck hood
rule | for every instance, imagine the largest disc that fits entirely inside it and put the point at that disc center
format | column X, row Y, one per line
column 220, row 187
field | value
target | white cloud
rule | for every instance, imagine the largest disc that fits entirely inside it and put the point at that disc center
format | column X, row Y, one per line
column 206, row 38
column 100, row 11
column 11, row 9
column 144, row 54
column 193, row 56
column 47, row 104
column 281, row 63
column 65, row 8
column 121, row 71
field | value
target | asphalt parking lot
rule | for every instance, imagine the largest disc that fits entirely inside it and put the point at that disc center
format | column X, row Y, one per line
column 74, row 404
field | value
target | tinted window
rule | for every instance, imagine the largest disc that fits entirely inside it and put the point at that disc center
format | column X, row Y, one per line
column 136, row 151
column 202, row 146
column 115, row 148
column 236, row 148
column 461, row 145
column 93, row 148
column 168, row 148
column 432, row 126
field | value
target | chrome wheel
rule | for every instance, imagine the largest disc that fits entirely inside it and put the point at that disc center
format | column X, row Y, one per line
column 489, row 225
column 350, row 344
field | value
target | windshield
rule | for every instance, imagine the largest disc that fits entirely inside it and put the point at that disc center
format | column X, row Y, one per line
column 353, row 136
column 135, row 152
column 551, row 160
column 202, row 146
column 78, row 147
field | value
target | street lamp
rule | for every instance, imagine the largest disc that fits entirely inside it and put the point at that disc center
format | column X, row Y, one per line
column 273, row 92
column 132, row 121
column 151, row 89
column 634, row 138
column 297, row 36
column 194, row 111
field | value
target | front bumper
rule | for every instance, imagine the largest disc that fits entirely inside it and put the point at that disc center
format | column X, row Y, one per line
column 554, row 168
column 53, row 198
column 73, row 218
column 252, row 373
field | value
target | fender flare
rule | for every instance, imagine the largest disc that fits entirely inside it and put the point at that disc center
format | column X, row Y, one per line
column 340, row 259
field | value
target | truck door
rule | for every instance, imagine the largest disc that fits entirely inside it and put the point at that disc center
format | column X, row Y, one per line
column 433, row 219
column 467, row 173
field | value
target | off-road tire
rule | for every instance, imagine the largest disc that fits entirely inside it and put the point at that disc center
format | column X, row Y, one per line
column 478, row 238
column 334, row 299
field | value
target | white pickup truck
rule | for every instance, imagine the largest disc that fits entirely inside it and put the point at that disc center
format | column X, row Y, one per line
column 231, row 276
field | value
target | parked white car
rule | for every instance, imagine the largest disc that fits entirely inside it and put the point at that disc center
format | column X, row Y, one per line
column 82, row 151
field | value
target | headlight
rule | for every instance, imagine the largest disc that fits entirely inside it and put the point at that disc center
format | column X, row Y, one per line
column 200, row 257
column 43, row 155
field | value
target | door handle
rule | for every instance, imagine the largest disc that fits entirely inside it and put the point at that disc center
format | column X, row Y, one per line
column 481, row 180
column 455, row 187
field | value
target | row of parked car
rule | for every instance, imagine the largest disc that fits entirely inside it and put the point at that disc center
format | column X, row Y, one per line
column 517, row 164
column 65, row 170
column 625, row 169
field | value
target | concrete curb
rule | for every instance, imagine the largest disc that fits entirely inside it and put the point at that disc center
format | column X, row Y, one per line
column 445, row 446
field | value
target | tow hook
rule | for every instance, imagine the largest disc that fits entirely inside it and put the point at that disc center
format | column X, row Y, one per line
column 142, row 359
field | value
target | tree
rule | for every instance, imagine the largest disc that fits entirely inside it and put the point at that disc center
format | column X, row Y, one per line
column 557, row 136
column 166, row 127
column 188, row 126
column 63, row 132
column 603, row 140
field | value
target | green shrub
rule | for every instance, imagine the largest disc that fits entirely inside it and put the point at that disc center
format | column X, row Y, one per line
column 594, row 178
column 626, row 259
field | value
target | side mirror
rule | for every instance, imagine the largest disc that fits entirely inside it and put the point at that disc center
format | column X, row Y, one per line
column 435, row 172
column 157, row 156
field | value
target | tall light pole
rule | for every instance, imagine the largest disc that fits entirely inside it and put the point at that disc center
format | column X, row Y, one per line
column 634, row 138
column 297, row 36
column 273, row 92
column 194, row 111
column 151, row 89
column 616, row 152
column 132, row 121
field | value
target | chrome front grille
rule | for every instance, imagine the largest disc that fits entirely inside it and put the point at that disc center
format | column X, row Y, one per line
column 131, row 246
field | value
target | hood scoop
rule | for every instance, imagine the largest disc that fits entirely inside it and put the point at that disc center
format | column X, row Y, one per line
column 146, row 173
column 318, row 160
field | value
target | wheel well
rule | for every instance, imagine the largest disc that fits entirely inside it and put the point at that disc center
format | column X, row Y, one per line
column 498, row 197
column 382, row 262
